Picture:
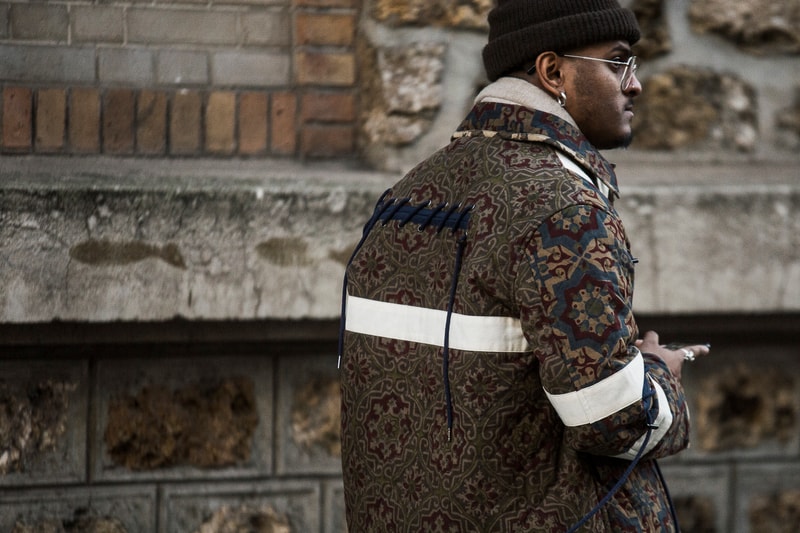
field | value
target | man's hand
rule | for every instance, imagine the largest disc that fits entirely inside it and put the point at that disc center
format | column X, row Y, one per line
column 673, row 358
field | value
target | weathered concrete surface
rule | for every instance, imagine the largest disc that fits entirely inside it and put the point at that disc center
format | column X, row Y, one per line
column 108, row 240
column 131, row 241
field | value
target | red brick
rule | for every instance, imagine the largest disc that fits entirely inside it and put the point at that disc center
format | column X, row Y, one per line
column 118, row 120
column 17, row 118
column 151, row 123
column 325, row 29
column 328, row 141
column 283, row 123
column 252, row 123
column 84, row 120
column 328, row 107
column 51, row 115
column 317, row 68
column 221, row 122
column 184, row 124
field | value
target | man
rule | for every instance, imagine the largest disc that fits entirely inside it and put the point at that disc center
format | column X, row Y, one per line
column 493, row 378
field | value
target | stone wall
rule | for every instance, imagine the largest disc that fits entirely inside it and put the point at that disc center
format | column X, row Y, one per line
column 180, row 187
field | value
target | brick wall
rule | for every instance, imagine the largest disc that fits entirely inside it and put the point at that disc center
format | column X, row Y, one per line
column 243, row 78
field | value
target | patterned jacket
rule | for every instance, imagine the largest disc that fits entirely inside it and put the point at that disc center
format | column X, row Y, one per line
column 490, row 381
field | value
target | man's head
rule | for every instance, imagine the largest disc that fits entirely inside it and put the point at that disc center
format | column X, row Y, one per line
column 547, row 35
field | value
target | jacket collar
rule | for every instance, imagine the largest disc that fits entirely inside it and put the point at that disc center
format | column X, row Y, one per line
column 526, row 113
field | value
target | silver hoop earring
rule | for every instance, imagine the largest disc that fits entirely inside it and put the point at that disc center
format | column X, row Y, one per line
column 562, row 99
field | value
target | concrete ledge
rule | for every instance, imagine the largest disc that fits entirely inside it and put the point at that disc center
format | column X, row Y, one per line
column 101, row 240
column 107, row 240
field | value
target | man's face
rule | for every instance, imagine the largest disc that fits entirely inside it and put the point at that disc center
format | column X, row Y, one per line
column 595, row 99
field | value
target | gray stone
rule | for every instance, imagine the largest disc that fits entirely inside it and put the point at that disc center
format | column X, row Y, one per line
column 701, row 494
column 405, row 92
column 192, row 508
column 470, row 14
column 47, row 63
column 43, row 409
column 182, row 418
column 308, row 418
column 762, row 26
column 97, row 23
column 189, row 26
column 125, row 65
column 182, row 67
column 691, row 108
column 255, row 68
column 39, row 22
column 117, row 509
column 755, row 484
column 656, row 40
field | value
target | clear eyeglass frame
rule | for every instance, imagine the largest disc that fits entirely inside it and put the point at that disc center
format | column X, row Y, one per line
column 631, row 66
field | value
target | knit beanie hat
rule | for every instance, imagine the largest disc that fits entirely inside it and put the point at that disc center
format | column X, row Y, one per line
column 520, row 30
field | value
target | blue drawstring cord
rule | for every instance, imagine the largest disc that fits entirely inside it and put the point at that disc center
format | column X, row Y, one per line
column 648, row 393
column 439, row 217
column 380, row 209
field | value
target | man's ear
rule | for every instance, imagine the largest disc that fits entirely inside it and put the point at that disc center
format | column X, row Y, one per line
column 548, row 70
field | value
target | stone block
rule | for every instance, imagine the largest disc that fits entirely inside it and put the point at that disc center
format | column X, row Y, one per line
column 4, row 21
column 407, row 86
column 84, row 120
column 788, row 122
column 743, row 409
column 253, row 123
column 132, row 66
column 185, row 123
column 43, row 429
column 467, row 14
column 278, row 507
column 701, row 494
column 175, row 26
column 283, row 123
column 267, row 28
column 47, row 63
column 178, row 418
column 326, row 3
column 17, row 118
column 40, row 22
column 108, row 509
column 327, row 140
column 118, row 121
column 255, row 69
column 151, row 122
column 325, row 68
column 333, row 507
column 760, row 26
column 690, row 240
column 182, row 67
column 767, row 497
column 656, row 40
column 320, row 106
column 691, row 108
column 308, row 418
column 51, row 110
column 221, row 123
column 97, row 24
column 332, row 29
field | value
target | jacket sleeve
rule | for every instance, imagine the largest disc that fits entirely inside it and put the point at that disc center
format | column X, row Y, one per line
column 604, row 390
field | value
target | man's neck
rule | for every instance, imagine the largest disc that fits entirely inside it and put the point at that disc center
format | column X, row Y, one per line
column 515, row 91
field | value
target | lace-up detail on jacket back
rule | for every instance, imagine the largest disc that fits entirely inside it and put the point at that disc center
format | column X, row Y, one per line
column 451, row 217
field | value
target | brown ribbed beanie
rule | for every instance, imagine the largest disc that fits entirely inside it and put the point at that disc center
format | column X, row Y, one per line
column 520, row 30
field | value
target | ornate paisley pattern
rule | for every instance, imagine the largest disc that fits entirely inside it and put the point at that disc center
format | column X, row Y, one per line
column 542, row 246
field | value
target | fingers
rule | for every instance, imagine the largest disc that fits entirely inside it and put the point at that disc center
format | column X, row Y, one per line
column 690, row 353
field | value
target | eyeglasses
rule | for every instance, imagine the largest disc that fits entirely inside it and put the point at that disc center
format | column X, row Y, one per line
column 627, row 74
